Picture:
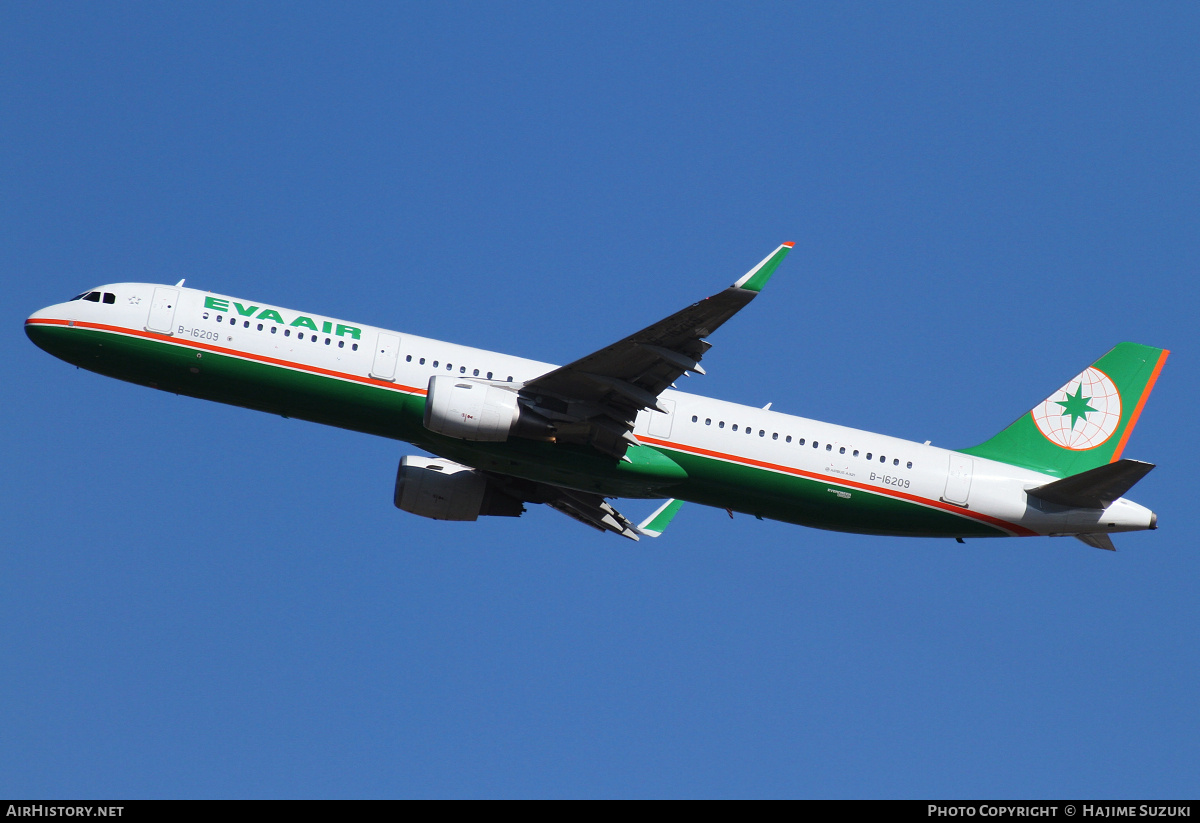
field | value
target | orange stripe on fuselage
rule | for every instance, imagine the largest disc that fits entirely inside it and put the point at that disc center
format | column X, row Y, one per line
column 1137, row 410
column 193, row 344
column 383, row 384
column 899, row 495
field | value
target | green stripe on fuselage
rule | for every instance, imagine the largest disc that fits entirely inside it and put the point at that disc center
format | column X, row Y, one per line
column 395, row 414
column 229, row 379
column 822, row 504
column 379, row 409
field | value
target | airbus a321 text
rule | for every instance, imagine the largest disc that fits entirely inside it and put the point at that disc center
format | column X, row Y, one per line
column 507, row 431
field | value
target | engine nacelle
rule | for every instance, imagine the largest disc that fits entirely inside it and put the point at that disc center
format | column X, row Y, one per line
column 444, row 490
column 473, row 410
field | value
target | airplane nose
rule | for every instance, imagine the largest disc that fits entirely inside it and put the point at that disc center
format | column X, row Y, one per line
column 39, row 327
column 1153, row 520
column 35, row 331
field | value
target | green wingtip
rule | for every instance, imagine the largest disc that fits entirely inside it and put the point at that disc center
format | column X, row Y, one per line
column 757, row 277
column 656, row 524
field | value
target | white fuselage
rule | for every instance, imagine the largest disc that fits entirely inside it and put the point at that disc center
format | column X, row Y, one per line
column 848, row 460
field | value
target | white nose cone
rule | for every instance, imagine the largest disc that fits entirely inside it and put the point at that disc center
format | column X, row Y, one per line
column 54, row 312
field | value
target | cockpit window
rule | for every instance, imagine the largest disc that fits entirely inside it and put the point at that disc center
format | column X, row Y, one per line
column 77, row 297
column 92, row 296
column 109, row 297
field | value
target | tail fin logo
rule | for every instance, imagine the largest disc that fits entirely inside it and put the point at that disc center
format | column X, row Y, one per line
column 1082, row 414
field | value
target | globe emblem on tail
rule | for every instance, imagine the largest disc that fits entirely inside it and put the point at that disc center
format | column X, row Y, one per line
column 1082, row 414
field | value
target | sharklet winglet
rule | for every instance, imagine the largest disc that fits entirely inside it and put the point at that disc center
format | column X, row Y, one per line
column 656, row 523
column 757, row 277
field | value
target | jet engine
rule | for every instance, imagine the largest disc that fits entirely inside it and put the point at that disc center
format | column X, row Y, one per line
column 473, row 410
column 443, row 490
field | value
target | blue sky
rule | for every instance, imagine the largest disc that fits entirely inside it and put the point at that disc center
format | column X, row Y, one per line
column 204, row 601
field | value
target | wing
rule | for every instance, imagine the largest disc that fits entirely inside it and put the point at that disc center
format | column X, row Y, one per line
column 597, row 398
column 589, row 509
column 593, row 510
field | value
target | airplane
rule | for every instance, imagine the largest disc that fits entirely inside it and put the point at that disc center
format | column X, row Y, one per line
column 506, row 431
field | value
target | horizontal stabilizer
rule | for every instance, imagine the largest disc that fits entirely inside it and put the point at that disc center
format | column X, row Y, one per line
column 1096, row 488
column 1098, row 541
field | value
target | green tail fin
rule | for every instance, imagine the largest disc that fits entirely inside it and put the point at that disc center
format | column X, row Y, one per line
column 1086, row 423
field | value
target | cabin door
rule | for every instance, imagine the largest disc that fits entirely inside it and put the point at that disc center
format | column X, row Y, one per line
column 162, row 310
column 958, row 480
column 387, row 349
column 660, row 424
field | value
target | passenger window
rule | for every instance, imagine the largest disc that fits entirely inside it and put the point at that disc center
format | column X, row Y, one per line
column 407, row 358
column 354, row 346
column 815, row 444
column 422, row 361
column 510, row 378
column 882, row 459
column 721, row 425
column 695, row 418
column 762, row 433
column 896, row 462
column 220, row 318
column 476, row 372
column 788, row 439
column 260, row 326
column 435, row 364
column 800, row 442
column 462, row 369
column 287, row 332
column 856, row 452
column 274, row 329
column 774, row 435
column 326, row 341
column 489, row 377
column 910, row 464
column 868, row 455
column 246, row 324
column 708, row 421
column 449, row 367
column 109, row 297
column 734, row 427
column 314, row 338
column 828, row 447
column 842, row 450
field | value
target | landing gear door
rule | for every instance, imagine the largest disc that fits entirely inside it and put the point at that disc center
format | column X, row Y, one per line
column 162, row 310
column 387, row 349
column 958, row 480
